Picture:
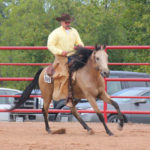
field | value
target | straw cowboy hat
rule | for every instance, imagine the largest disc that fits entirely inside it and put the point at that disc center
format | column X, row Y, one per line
column 65, row 17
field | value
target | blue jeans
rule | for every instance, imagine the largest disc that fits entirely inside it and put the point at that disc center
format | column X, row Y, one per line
column 70, row 58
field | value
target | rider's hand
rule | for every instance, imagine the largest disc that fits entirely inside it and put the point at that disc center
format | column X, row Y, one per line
column 64, row 53
column 77, row 47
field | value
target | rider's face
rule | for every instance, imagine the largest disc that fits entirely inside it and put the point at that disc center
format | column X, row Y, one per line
column 66, row 24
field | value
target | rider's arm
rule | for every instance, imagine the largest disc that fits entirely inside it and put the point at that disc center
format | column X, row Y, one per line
column 52, row 42
column 78, row 41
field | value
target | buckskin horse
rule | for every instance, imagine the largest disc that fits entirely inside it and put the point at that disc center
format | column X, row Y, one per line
column 88, row 84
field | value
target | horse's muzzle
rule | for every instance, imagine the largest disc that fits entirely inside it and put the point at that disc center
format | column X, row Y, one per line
column 105, row 74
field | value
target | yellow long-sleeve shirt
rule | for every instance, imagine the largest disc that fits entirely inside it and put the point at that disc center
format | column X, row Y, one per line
column 61, row 40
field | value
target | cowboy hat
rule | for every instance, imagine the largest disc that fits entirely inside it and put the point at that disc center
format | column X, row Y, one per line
column 65, row 17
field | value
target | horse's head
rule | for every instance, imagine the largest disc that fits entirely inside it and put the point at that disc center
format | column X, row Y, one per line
column 101, row 59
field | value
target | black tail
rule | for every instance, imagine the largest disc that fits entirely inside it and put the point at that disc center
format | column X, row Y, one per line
column 27, row 92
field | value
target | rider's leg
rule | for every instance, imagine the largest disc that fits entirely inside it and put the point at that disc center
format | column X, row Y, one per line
column 69, row 101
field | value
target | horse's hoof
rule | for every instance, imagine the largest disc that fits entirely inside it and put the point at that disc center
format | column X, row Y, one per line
column 91, row 132
column 110, row 133
column 48, row 131
column 120, row 127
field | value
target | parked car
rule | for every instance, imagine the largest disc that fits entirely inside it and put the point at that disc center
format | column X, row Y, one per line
column 125, row 104
column 7, row 102
column 112, row 87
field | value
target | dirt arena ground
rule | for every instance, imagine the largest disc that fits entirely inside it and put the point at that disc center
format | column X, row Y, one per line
column 32, row 136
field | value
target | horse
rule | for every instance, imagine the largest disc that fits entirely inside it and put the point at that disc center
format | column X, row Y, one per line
column 88, row 84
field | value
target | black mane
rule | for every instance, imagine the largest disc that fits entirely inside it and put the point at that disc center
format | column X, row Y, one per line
column 80, row 58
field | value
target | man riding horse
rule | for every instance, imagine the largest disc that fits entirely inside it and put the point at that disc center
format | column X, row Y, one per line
column 62, row 42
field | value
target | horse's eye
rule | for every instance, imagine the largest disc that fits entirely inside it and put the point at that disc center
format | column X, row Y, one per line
column 97, row 58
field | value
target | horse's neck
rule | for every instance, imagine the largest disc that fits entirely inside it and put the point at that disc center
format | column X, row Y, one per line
column 90, row 66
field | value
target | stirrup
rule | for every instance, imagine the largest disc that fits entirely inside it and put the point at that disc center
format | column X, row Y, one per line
column 69, row 102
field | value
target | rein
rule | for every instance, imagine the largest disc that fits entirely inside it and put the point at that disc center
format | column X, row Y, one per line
column 76, row 59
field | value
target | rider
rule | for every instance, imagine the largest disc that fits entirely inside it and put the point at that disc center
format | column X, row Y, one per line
column 61, row 43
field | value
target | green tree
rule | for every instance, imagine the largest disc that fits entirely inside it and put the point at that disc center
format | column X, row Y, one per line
column 137, row 25
column 111, row 22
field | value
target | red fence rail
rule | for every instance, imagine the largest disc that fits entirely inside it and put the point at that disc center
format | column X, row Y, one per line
column 90, row 47
column 68, row 111
column 107, row 79
column 31, row 47
column 32, row 96
column 44, row 64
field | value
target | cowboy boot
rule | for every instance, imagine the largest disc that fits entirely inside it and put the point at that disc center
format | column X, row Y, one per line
column 69, row 101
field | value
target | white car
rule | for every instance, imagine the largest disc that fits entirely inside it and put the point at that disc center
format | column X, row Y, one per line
column 6, row 102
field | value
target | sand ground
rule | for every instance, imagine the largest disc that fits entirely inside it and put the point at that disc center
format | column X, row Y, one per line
column 32, row 136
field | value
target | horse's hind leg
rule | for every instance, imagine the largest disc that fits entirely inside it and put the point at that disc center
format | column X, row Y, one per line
column 82, row 122
column 45, row 113
column 46, row 91
column 47, row 128
column 108, row 100
column 100, row 116
column 47, row 100
column 47, row 96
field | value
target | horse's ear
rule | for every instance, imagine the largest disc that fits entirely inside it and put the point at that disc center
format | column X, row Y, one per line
column 97, row 47
column 103, row 46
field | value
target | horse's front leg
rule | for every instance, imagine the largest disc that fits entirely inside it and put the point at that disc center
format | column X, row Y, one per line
column 107, row 99
column 120, row 115
column 93, row 103
column 82, row 122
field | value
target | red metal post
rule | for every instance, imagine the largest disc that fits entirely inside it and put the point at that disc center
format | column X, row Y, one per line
column 105, row 104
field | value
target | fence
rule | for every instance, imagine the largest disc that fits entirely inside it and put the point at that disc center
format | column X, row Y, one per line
column 45, row 64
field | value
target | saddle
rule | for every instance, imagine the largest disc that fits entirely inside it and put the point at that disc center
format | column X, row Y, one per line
column 60, row 76
column 50, row 70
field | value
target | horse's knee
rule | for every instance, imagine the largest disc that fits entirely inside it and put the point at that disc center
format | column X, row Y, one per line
column 100, row 116
column 74, row 111
column 105, row 97
column 45, row 113
column 114, row 104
